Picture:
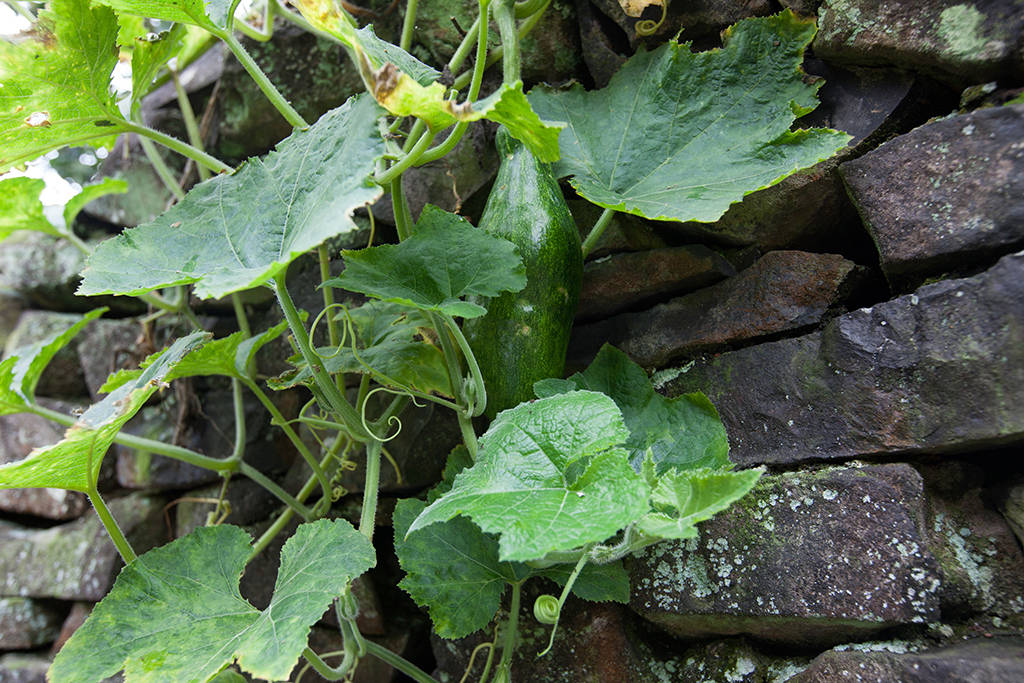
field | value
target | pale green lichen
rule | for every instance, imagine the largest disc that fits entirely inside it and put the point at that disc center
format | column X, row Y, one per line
column 960, row 26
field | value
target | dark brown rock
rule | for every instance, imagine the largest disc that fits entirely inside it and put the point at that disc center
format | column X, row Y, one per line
column 75, row 561
column 948, row 191
column 982, row 660
column 598, row 41
column 698, row 19
column 107, row 345
column 807, row 559
column 246, row 503
column 980, row 558
column 783, row 291
column 1012, row 507
column 937, row 370
column 19, row 435
column 26, row 624
column 80, row 611
column 622, row 281
column 963, row 43
column 624, row 232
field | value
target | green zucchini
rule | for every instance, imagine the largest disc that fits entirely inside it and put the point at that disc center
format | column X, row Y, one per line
column 524, row 335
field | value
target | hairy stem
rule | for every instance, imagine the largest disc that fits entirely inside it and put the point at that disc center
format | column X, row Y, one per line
column 508, row 648
column 191, row 125
column 511, row 61
column 595, row 233
column 182, row 148
column 408, row 24
column 160, row 166
column 272, row 93
column 110, row 524
column 368, row 515
column 398, row 662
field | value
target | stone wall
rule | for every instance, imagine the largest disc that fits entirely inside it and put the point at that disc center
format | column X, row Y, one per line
column 860, row 328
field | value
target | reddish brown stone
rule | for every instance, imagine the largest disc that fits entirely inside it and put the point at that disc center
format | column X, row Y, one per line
column 784, row 290
column 622, row 281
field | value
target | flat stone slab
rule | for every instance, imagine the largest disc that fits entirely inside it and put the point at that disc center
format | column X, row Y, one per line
column 806, row 559
column 981, row 660
column 783, row 291
column 946, row 191
column 75, row 561
column 938, row 370
column 623, row 281
column 26, row 623
column 961, row 42
column 23, row 668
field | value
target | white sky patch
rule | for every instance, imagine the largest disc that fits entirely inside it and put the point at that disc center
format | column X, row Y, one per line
column 11, row 23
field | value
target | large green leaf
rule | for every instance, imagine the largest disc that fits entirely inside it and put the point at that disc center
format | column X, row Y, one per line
column 74, row 462
column 452, row 568
column 176, row 614
column 211, row 15
column 21, row 370
column 383, row 52
column 681, row 499
column 234, row 232
column 680, row 136
column 55, row 85
column 445, row 260
column 550, row 475
column 231, row 356
column 684, row 432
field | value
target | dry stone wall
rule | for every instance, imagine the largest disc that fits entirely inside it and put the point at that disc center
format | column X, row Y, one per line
column 860, row 328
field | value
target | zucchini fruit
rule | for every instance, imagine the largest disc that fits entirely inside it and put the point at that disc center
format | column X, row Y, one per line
column 524, row 335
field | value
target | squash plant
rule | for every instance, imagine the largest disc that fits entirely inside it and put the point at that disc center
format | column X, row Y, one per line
column 562, row 486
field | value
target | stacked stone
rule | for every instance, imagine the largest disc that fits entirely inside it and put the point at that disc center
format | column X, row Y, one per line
column 860, row 328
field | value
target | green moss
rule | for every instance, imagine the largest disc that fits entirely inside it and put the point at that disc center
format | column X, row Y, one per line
column 960, row 26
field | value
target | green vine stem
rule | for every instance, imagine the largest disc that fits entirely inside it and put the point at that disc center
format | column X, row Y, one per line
column 328, row 292
column 110, row 524
column 398, row 662
column 268, row 24
column 182, row 148
column 400, row 207
column 17, row 7
column 278, row 492
column 324, row 383
column 278, row 419
column 160, row 166
column 147, row 445
column 562, row 598
column 508, row 648
column 368, row 515
column 238, row 404
column 595, row 233
column 511, row 61
column 496, row 55
column 191, row 124
column 466, row 404
column 327, row 671
column 408, row 24
column 480, row 397
column 407, row 160
column 273, row 94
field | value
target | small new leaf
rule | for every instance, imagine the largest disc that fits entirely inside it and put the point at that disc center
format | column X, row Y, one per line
column 550, row 475
column 681, row 499
column 684, row 432
column 427, row 273
column 235, row 232
column 176, row 614
column 681, row 136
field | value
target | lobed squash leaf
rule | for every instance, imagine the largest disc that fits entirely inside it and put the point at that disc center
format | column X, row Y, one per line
column 680, row 136
column 682, row 498
column 176, row 614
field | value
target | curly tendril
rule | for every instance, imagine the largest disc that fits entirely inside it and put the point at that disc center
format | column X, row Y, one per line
column 646, row 27
column 546, row 609
column 344, row 337
column 393, row 420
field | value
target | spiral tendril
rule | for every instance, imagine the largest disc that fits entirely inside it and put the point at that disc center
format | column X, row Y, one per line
column 393, row 420
column 344, row 337
column 647, row 27
column 546, row 609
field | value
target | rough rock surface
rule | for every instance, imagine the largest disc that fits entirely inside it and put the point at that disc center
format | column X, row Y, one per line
column 75, row 561
column 963, row 42
column 247, row 502
column 979, row 555
column 867, row 103
column 19, row 435
column 981, row 660
column 26, row 623
column 936, row 370
column 784, row 290
column 27, row 668
column 946, row 191
column 760, row 569
column 11, row 306
column 622, row 281
column 1012, row 507
column 625, row 232
column 107, row 345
